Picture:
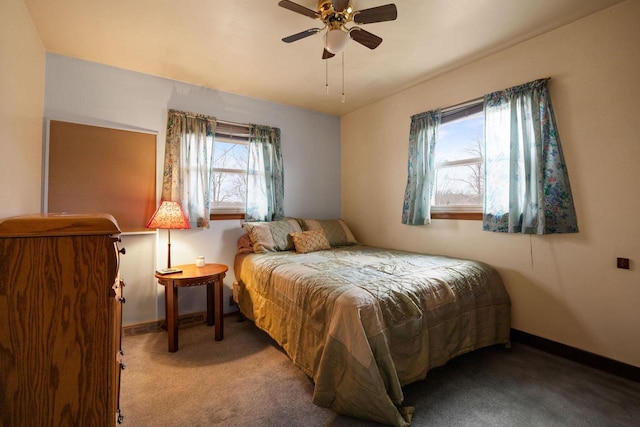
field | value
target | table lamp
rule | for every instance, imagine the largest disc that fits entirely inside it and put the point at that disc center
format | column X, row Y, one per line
column 169, row 215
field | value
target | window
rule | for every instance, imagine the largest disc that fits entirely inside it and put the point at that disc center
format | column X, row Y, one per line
column 524, row 187
column 231, row 155
column 459, row 176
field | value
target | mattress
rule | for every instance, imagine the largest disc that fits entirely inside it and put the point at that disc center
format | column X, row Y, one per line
column 362, row 322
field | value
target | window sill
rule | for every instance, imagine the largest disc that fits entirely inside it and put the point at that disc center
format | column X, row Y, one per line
column 473, row 216
column 227, row 216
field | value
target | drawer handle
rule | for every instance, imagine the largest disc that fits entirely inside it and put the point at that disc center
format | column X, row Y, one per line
column 122, row 366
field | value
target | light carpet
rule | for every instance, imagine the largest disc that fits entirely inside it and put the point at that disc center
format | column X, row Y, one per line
column 246, row 380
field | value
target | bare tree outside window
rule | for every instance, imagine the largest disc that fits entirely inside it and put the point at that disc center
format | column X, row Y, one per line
column 459, row 177
column 230, row 175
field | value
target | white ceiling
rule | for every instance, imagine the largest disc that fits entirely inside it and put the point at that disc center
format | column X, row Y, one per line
column 235, row 45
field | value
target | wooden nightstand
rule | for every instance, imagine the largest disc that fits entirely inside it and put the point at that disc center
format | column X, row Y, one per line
column 210, row 275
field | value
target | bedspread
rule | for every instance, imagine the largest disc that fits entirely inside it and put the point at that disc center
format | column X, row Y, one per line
column 363, row 322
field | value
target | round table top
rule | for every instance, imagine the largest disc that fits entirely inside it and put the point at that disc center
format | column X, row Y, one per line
column 190, row 271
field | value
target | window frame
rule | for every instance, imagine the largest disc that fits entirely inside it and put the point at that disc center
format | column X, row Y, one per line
column 233, row 133
column 463, row 212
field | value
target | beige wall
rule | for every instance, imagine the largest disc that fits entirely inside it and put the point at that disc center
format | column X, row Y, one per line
column 564, row 287
column 22, row 71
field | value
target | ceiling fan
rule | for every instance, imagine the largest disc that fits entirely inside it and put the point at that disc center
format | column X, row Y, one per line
column 335, row 14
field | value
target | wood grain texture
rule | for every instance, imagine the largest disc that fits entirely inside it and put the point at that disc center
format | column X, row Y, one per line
column 58, row 330
column 51, row 225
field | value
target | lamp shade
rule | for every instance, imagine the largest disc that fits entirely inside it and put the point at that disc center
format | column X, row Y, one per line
column 336, row 40
column 169, row 215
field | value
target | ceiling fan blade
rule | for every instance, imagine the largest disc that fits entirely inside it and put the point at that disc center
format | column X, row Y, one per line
column 298, row 9
column 340, row 5
column 326, row 54
column 365, row 38
column 387, row 12
column 301, row 35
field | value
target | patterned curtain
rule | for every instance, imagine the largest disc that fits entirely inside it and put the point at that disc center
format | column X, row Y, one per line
column 416, row 209
column 188, row 163
column 526, row 185
column 265, row 175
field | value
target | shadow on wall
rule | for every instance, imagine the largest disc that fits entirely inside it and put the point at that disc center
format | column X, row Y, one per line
column 537, row 311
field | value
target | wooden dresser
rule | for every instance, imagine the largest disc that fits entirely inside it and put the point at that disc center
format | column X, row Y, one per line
column 60, row 321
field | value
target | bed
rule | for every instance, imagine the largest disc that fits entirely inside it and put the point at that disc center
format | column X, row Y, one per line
column 362, row 321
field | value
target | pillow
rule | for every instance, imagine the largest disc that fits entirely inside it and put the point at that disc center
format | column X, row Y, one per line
column 310, row 241
column 272, row 236
column 336, row 230
column 244, row 244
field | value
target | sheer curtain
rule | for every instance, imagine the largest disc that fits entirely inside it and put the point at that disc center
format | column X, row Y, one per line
column 416, row 209
column 265, row 175
column 188, row 163
column 526, row 184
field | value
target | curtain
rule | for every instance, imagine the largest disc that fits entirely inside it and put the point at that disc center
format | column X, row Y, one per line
column 265, row 175
column 416, row 209
column 526, row 182
column 188, row 163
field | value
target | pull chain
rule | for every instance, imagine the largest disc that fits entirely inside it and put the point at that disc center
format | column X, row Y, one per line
column 326, row 76
column 343, row 98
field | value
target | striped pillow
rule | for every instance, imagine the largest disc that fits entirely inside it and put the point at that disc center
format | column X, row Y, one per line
column 272, row 236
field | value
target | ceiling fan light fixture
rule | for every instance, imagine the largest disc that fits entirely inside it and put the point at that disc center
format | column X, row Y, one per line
column 335, row 40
